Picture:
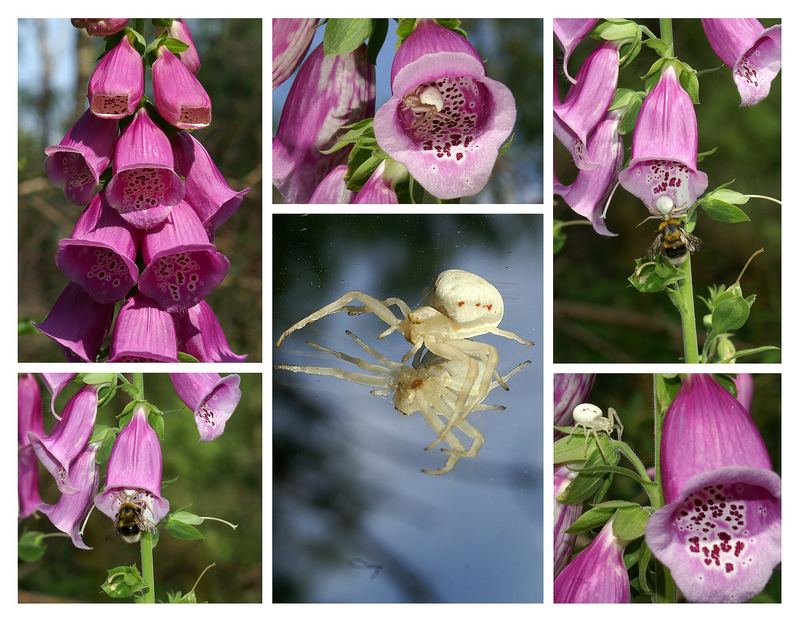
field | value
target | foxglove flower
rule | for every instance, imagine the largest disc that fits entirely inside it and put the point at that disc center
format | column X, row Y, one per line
column 328, row 93
column 207, row 192
column 82, row 156
column 100, row 256
column 58, row 450
column 597, row 574
column 145, row 186
column 69, row 512
column 78, row 323
column 569, row 389
column 744, row 389
column 446, row 120
column 212, row 399
column 180, row 31
column 103, row 26
column 29, row 421
column 720, row 531
column 181, row 266
column 588, row 194
column 564, row 515
column 134, row 471
column 117, row 84
column 200, row 335
column 664, row 162
column 291, row 39
column 179, row 96
column 143, row 333
column 333, row 189
column 586, row 103
column 378, row 189
column 28, row 483
column 752, row 52
column 55, row 383
column 570, row 32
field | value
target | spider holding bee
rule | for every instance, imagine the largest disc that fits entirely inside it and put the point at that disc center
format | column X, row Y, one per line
column 672, row 240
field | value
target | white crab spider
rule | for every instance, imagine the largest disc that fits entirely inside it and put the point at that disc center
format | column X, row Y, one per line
column 460, row 305
column 425, row 100
column 430, row 386
column 589, row 417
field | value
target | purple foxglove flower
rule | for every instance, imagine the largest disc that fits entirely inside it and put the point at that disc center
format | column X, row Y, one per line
column 564, row 515
column 103, row 26
column 28, row 483
column 29, row 410
column 596, row 575
column 179, row 30
column 328, row 93
column 570, row 33
column 69, row 512
column 181, row 266
column 588, row 194
column 291, row 39
column 143, row 332
column 569, row 389
column 586, row 103
column 100, row 256
column 446, row 120
column 145, row 186
column 82, row 156
column 744, row 389
column 720, row 531
column 55, row 383
column 134, row 472
column 78, row 323
column 378, row 189
column 200, row 334
column 664, row 162
column 332, row 189
column 58, row 450
column 752, row 52
column 117, row 84
column 179, row 96
column 207, row 192
column 211, row 398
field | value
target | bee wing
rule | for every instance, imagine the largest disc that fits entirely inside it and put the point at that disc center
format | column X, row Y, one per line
column 655, row 248
column 691, row 241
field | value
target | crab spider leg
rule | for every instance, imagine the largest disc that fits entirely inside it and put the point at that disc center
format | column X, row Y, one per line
column 388, row 302
column 372, row 351
column 616, row 420
column 351, row 359
column 413, row 351
column 376, row 306
column 437, row 425
column 477, row 439
column 509, row 335
column 510, row 374
column 349, row 376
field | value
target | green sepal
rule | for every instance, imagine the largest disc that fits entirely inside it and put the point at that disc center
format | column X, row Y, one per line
column 99, row 378
column 31, row 546
column 106, row 436
column 179, row 597
column 656, row 276
column 559, row 236
column 179, row 529
column 587, row 482
column 345, row 35
column 751, row 351
column 156, row 421
column 123, row 582
column 591, row 519
column 630, row 523
column 701, row 156
column 183, row 357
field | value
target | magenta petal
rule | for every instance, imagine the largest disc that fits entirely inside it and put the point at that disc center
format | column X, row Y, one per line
column 200, row 335
column 143, row 332
column 78, row 323
column 564, row 515
column 69, row 512
column 377, row 190
column 586, row 103
column 721, row 536
column 189, row 57
column 328, row 93
column 588, row 194
column 212, row 399
column 58, row 450
column 596, row 575
column 181, row 266
column 117, row 84
column 744, row 389
column 569, row 389
column 144, row 186
column 29, row 410
column 100, row 256
column 134, row 470
column 55, row 383
column 291, row 39
column 332, row 189
column 28, row 483
column 103, row 26
column 82, row 156
column 570, row 32
column 207, row 191
column 179, row 96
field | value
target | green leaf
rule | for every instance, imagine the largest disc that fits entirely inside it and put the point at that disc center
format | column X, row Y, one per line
column 376, row 39
column 182, row 531
column 616, row 504
column 26, row 327
column 730, row 314
column 654, row 276
column 106, row 436
column 176, row 46
column 591, row 519
column 404, row 29
column 630, row 523
column 31, row 547
column 345, row 35
column 751, row 351
column 186, row 517
column 123, row 582
column 724, row 212
column 506, row 145
column 617, row 30
column 658, row 46
column 587, row 482
column 183, row 357
column 645, row 555
column 705, row 153
column 570, row 448
column 628, row 120
column 178, row 597
column 559, row 237
column 691, row 84
column 360, row 175
column 667, row 387
column 157, row 423
column 99, row 378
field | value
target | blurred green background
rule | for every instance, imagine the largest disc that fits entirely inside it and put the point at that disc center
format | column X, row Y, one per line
column 598, row 316
column 55, row 64
column 221, row 478
column 631, row 395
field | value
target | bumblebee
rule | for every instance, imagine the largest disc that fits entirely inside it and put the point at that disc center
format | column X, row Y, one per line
column 673, row 242
column 130, row 521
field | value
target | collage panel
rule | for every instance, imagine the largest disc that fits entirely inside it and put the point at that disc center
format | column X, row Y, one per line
column 140, row 488
column 407, row 111
column 403, row 473
column 140, row 190
column 667, row 488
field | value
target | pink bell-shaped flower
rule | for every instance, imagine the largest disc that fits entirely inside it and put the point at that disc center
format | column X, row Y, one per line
column 180, row 31
column 564, row 515
column 332, row 189
column 212, row 400
column 569, row 389
column 569, row 33
column 200, row 335
column 117, row 84
column 179, row 96
column 100, row 26
column 143, row 332
column 291, row 39
column 29, row 421
column 55, row 383
column 744, row 389
column 378, row 189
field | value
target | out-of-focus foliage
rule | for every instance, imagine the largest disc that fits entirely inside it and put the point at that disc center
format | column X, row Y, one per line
column 230, row 51
column 221, row 479
column 598, row 317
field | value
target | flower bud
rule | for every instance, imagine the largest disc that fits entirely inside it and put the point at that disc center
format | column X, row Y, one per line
column 212, row 399
column 117, row 84
column 200, row 335
column 179, row 96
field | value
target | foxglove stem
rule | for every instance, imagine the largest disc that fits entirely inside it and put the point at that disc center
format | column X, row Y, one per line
column 146, row 547
column 685, row 297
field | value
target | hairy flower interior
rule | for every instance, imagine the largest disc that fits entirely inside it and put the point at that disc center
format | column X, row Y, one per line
column 668, row 178
column 75, row 171
column 200, row 116
column 110, row 105
column 179, row 275
column 143, row 188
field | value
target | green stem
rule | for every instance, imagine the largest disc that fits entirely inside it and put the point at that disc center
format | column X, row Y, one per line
column 665, row 26
column 146, row 547
column 665, row 590
column 138, row 381
column 685, row 304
